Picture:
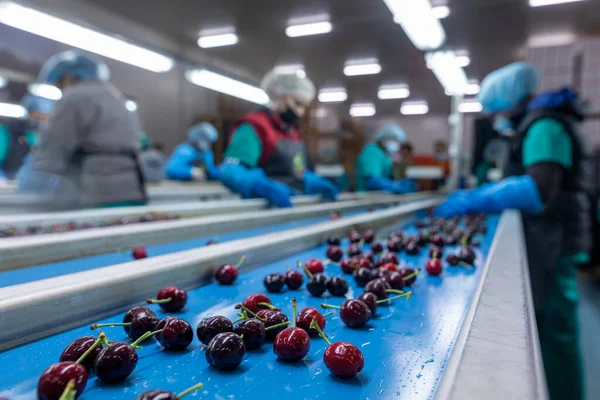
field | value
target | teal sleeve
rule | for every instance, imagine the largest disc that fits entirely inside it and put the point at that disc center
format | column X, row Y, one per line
column 245, row 146
column 371, row 162
column 547, row 141
column 4, row 142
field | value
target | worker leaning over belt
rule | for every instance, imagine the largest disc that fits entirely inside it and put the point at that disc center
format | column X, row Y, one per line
column 374, row 166
column 548, row 182
column 194, row 160
column 92, row 139
column 267, row 157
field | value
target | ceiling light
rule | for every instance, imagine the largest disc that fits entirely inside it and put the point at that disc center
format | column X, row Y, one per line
column 472, row 87
column 44, row 90
column 362, row 67
column 469, row 106
column 362, row 110
column 12, row 110
column 551, row 39
column 50, row 27
column 447, row 71
column 336, row 95
column 387, row 92
column 297, row 69
column 223, row 84
column 539, row 3
column 3, row 82
column 441, row 12
column 315, row 28
column 419, row 23
column 227, row 39
column 414, row 108
column 131, row 105
column 321, row 112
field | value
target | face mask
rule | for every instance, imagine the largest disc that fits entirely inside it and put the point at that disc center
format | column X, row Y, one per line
column 392, row 147
column 289, row 116
column 504, row 126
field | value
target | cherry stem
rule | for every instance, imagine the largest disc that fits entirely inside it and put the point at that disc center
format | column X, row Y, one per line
column 269, row 306
column 330, row 306
column 242, row 336
column 466, row 265
column 327, row 261
column 435, row 254
column 315, row 326
column 68, row 394
column 246, row 310
column 306, row 270
column 243, row 316
column 96, row 326
column 190, row 390
column 242, row 260
column 294, row 308
column 395, row 291
column 101, row 338
column 328, row 314
column 155, row 301
column 286, row 323
column 410, row 276
column 406, row 294
column 144, row 337
column 465, row 241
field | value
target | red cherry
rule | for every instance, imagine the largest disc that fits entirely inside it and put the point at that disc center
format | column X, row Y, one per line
column 258, row 301
column 176, row 335
column 452, row 259
column 438, row 240
column 379, row 288
column 335, row 216
column 305, row 317
column 408, row 272
column 376, row 247
column 355, row 313
column 293, row 279
column 396, row 280
column 395, row 245
column 354, row 250
column 436, row 252
column 368, row 255
column 315, row 266
column 77, row 348
column 370, row 300
column 291, row 344
column 434, row 267
column 348, row 265
column 263, row 314
column 391, row 258
column 170, row 299
column 334, row 253
column 226, row 274
column 139, row 253
column 343, row 359
column 354, row 237
column 368, row 236
column 55, row 378
column 389, row 267
column 362, row 276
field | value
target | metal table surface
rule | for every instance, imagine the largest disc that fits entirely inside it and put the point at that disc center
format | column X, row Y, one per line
column 406, row 347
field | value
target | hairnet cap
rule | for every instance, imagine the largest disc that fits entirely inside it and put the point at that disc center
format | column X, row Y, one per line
column 39, row 104
column 391, row 132
column 505, row 88
column 278, row 84
column 78, row 64
column 203, row 133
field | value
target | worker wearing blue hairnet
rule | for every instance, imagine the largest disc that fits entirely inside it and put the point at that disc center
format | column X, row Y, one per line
column 548, row 183
column 194, row 159
column 19, row 135
column 267, row 156
column 92, row 139
column 374, row 165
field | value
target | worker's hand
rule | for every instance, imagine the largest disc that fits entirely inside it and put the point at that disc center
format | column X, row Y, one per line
column 457, row 204
column 198, row 174
column 404, row 186
column 274, row 192
column 314, row 184
column 208, row 158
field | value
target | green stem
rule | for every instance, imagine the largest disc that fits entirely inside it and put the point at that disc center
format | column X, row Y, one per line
column 294, row 309
column 328, row 314
column 242, row 336
column 96, row 326
column 395, row 291
column 190, row 390
column 464, row 264
column 388, row 300
column 144, row 337
column 286, row 323
column 246, row 310
column 67, row 394
column 101, row 338
column 306, row 270
column 330, row 306
column 410, row 276
column 239, row 264
column 315, row 326
column 243, row 317
column 269, row 306
column 155, row 301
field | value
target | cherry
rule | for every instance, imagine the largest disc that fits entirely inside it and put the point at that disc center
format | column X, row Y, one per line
column 452, row 259
column 225, row 351
column 337, row 286
column 274, row 283
column 450, row 240
column 412, row 248
column 348, row 265
column 212, row 242
column 175, row 333
column 227, row 274
column 377, row 247
column 354, row 313
column 293, row 279
column 368, row 236
column 381, row 273
column 475, row 242
column 262, row 314
column 368, row 255
column 317, row 285
column 390, row 258
column 252, row 331
column 335, row 216
column 409, row 275
column 333, row 241
column 394, row 245
column 136, row 322
column 395, row 280
column 438, row 240
column 77, row 348
column 391, row 267
column 396, row 235
column 378, row 287
column 354, row 250
column 370, row 300
column 259, row 301
column 334, row 253
column 139, row 252
column 354, row 237
column 210, row 327
column 315, row 266
column 434, row 267
column 170, row 299
column 273, row 319
column 166, row 395
column 117, row 360
column 292, row 344
column 362, row 276
column 343, row 359
column 305, row 317
column 436, row 252
column 467, row 255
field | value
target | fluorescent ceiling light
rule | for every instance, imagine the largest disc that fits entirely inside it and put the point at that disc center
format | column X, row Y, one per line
column 297, row 69
column 441, row 12
column 463, row 61
column 12, row 110
column 414, row 108
column 419, row 23
column 227, row 39
column 362, row 67
column 540, row 3
column 3, row 82
column 223, row 84
column 551, row 39
column 44, row 90
column 449, row 74
column 336, row 95
column 472, row 87
column 362, row 110
column 387, row 92
column 131, row 105
column 315, row 28
column 469, row 106
column 50, row 27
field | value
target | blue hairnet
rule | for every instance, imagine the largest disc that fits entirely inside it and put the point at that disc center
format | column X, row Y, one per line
column 505, row 88
column 39, row 104
column 391, row 132
column 202, row 133
column 81, row 66
column 278, row 84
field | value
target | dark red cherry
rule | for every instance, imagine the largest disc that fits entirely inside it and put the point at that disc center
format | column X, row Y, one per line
column 225, row 351
column 438, row 240
column 355, row 313
column 166, row 395
column 348, row 265
column 293, row 279
column 395, row 280
column 54, row 380
column 391, row 267
column 291, row 344
column 436, row 252
column 390, row 258
column 434, row 267
column 337, row 286
column 343, row 359
column 142, row 320
column 364, row 263
column 368, row 236
column 274, row 283
column 115, row 362
column 412, row 249
column 362, row 276
column 177, row 334
column 354, row 237
column 253, row 331
column 380, row 272
column 378, row 287
column 408, row 272
column 370, row 300
column 334, row 253
column 210, row 327
column 317, row 285
column 315, row 266
column 367, row 255
column 333, row 241
column 354, row 250
column 466, row 255
column 395, row 245
column 256, row 302
column 272, row 319
column 139, row 253
column 452, row 259
column 305, row 317
column 77, row 348
column 377, row 247
column 212, row 242
column 170, row 299
column 226, row 274
column 262, row 314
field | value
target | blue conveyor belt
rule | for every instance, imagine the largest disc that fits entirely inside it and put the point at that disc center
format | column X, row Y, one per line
column 45, row 271
column 405, row 347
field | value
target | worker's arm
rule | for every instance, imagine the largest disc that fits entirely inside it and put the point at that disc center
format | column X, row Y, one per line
column 245, row 147
column 4, row 145
column 181, row 163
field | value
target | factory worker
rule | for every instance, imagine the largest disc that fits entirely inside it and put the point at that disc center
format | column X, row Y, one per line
column 374, row 165
column 267, row 156
column 152, row 160
column 92, row 139
column 17, row 136
column 547, row 181
column 194, row 160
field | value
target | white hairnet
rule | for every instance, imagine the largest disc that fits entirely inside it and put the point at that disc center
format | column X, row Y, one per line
column 278, row 84
column 505, row 88
column 391, row 132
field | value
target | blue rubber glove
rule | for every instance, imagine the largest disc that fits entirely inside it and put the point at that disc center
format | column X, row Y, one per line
column 30, row 180
column 179, row 165
column 314, row 184
column 397, row 187
column 404, row 186
column 517, row 192
column 212, row 172
column 251, row 183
